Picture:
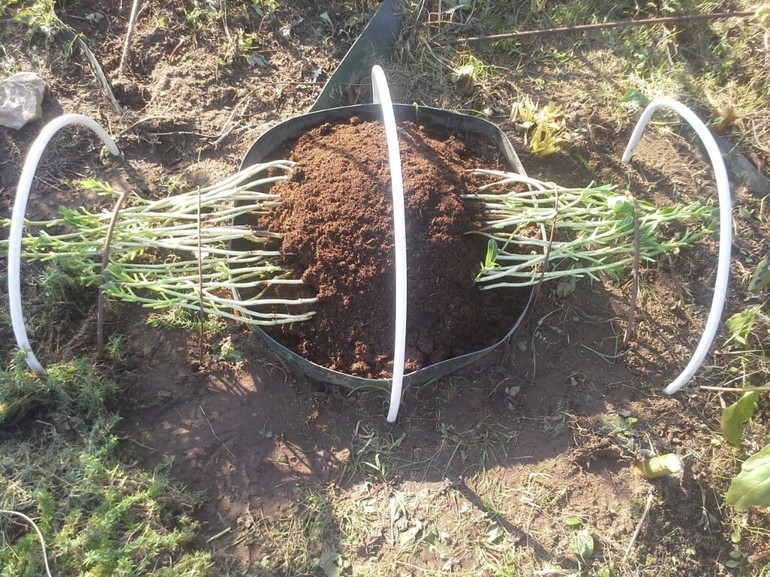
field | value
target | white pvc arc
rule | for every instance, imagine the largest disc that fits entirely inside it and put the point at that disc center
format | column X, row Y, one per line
column 725, row 228
column 381, row 96
column 17, row 221
column 39, row 536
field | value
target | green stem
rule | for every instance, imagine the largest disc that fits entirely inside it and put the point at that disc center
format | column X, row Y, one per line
column 176, row 251
column 594, row 227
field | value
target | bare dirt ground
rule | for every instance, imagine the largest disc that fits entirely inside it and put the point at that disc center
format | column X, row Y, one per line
column 483, row 468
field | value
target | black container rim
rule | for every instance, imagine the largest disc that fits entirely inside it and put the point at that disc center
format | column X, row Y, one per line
column 269, row 143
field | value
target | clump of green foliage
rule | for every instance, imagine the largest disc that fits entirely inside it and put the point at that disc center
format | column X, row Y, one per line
column 98, row 515
column 38, row 16
column 73, row 393
column 594, row 230
column 749, row 330
column 176, row 252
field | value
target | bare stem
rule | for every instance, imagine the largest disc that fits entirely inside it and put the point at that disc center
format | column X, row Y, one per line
column 635, row 287
column 105, row 262
column 599, row 26
column 129, row 34
column 635, row 536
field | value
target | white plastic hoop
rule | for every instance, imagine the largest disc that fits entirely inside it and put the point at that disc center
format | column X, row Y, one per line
column 725, row 228
column 381, row 96
column 17, row 221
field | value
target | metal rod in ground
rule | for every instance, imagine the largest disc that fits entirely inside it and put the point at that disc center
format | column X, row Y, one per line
column 599, row 26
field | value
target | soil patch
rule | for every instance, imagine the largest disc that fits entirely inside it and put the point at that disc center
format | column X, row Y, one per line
column 336, row 220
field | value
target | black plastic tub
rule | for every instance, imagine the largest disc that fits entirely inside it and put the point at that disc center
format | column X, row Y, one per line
column 269, row 147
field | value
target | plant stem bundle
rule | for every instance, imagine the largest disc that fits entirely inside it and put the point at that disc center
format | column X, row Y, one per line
column 597, row 230
column 175, row 252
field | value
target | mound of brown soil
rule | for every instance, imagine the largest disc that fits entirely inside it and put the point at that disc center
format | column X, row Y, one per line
column 336, row 220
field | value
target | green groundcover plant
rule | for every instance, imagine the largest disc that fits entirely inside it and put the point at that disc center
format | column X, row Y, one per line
column 59, row 465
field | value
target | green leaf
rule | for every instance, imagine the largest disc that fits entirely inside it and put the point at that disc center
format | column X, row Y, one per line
column 411, row 535
column 760, row 280
column 492, row 253
column 494, row 534
column 101, row 188
column 582, row 544
column 565, row 287
column 633, row 100
column 326, row 18
column 256, row 59
column 620, row 204
column 741, row 324
column 751, row 487
column 329, row 563
column 490, row 259
column 435, row 541
column 466, row 72
column 736, row 415
column 512, row 391
column 573, row 521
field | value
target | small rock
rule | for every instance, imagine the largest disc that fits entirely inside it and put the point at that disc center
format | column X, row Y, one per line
column 21, row 99
column 585, row 404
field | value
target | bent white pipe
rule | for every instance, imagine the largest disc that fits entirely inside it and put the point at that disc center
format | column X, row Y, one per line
column 725, row 228
column 381, row 96
column 39, row 536
column 17, row 221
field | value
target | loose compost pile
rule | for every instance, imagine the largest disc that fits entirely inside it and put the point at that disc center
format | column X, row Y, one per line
column 335, row 219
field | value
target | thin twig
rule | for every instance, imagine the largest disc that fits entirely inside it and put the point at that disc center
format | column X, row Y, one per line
column 548, row 248
column 142, row 445
column 71, row 36
column 105, row 262
column 222, row 533
column 224, row 22
column 536, row 289
column 546, row 256
column 735, row 389
column 637, row 530
column 759, row 556
column 600, row 26
column 213, row 432
column 635, row 287
column 129, row 33
column 142, row 121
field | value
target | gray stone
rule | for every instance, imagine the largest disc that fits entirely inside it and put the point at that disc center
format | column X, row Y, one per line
column 21, row 99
